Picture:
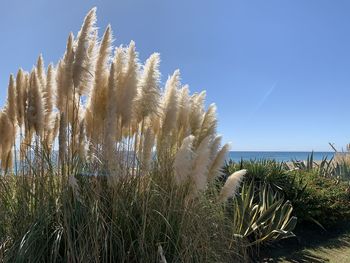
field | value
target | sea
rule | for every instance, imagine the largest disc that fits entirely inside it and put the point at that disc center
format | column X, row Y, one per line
column 278, row 156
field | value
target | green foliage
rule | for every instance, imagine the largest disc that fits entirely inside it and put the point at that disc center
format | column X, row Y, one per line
column 110, row 219
column 261, row 171
column 337, row 167
column 317, row 195
column 262, row 216
column 320, row 199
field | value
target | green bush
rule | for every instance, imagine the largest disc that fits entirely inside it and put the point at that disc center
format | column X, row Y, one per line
column 324, row 200
column 319, row 199
column 261, row 216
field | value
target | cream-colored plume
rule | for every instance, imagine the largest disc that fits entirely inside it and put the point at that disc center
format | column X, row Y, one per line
column 147, row 100
column 183, row 113
column 10, row 107
column 40, row 71
column 218, row 162
column 82, row 62
column 200, row 165
column 184, row 160
column 98, row 100
column 129, row 91
column 64, row 77
column 170, row 106
column 7, row 137
column 48, row 96
column 35, row 111
column 231, row 185
column 197, row 111
column 208, row 127
column 20, row 86
column 111, row 118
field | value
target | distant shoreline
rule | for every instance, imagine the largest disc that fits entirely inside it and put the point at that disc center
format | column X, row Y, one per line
column 285, row 156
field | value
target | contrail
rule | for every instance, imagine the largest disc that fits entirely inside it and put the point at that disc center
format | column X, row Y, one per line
column 263, row 99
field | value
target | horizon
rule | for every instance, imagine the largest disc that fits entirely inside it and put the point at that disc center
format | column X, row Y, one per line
column 280, row 83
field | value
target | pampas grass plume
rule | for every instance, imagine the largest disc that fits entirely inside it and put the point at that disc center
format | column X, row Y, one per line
column 208, row 127
column 82, row 62
column 218, row 162
column 183, row 160
column 98, row 101
column 35, row 112
column 131, row 82
column 170, row 107
column 48, row 94
column 200, row 167
column 196, row 113
column 183, row 113
column 11, row 101
column 231, row 185
column 7, row 137
column 147, row 100
column 40, row 71
column 20, row 86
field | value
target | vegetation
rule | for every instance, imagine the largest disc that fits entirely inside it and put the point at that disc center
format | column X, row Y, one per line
column 317, row 196
column 99, row 163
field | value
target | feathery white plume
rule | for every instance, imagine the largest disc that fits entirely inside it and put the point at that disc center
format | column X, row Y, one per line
column 35, row 111
column 170, row 106
column 196, row 113
column 218, row 162
column 231, row 185
column 82, row 62
column 130, row 82
column 183, row 160
column 208, row 127
column 98, row 100
column 10, row 107
column 20, row 86
column 147, row 100
column 200, row 167
column 64, row 76
column 48, row 96
column 40, row 71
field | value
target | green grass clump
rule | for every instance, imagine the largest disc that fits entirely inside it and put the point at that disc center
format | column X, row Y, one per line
column 109, row 219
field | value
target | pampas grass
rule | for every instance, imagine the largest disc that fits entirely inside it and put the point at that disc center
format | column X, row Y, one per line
column 10, row 107
column 147, row 100
column 200, row 166
column 184, row 160
column 231, row 185
column 35, row 110
column 170, row 106
column 218, row 162
column 129, row 91
column 134, row 160
column 114, row 111
column 82, row 73
column 20, row 100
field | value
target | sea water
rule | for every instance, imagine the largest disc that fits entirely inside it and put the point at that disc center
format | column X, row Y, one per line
column 278, row 156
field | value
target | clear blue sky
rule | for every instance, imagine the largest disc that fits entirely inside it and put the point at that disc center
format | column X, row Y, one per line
column 278, row 70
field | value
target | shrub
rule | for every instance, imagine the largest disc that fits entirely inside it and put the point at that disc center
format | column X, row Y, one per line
column 316, row 198
column 261, row 216
column 319, row 199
